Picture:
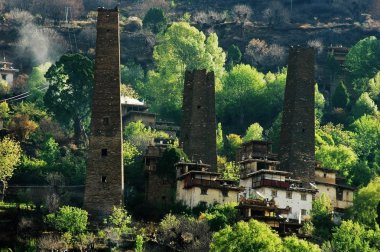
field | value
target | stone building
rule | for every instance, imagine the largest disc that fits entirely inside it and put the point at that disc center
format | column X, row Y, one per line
column 198, row 129
column 7, row 72
column 329, row 183
column 197, row 186
column 297, row 143
column 104, row 187
column 158, row 189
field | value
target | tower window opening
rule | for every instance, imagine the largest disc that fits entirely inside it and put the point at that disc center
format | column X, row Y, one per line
column 104, row 152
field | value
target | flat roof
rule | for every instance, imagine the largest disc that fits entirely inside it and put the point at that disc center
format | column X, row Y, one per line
column 269, row 171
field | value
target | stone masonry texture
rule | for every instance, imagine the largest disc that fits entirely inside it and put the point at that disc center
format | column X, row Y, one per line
column 198, row 129
column 104, row 180
column 297, row 137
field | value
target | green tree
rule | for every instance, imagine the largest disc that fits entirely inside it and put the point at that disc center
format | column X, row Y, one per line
column 233, row 56
column 254, row 132
column 131, row 73
column 182, row 47
column 155, row 20
column 233, row 144
column 339, row 157
column 10, row 153
column 129, row 153
column 319, row 104
column 219, row 138
column 229, row 170
column 219, row 216
column 367, row 136
column 246, row 236
column 68, row 219
column 351, row 237
column 119, row 221
column 139, row 243
column 362, row 63
column 70, row 92
column 321, row 216
column 293, row 244
column 4, row 88
column 165, row 165
column 365, row 203
column 241, row 85
column 37, row 84
column 374, row 88
column 364, row 106
column 340, row 98
column 4, row 110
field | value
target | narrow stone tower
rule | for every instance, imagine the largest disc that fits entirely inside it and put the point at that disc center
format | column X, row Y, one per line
column 198, row 129
column 105, row 181
column 297, row 137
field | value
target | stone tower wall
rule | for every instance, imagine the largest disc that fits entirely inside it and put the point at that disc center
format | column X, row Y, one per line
column 198, row 129
column 297, row 137
column 104, row 181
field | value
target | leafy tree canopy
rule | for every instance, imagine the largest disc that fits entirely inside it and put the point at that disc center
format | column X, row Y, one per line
column 155, row 20
column 70, row 91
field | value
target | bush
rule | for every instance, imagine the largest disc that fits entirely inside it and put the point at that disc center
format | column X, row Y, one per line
column 68, row 219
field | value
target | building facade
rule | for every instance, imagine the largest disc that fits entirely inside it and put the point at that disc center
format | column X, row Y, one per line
column 7, row 72
column 197, row 186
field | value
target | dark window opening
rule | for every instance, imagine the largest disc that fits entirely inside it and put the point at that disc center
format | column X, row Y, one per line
column 261, row 166
column 106, row 121
column 303, row 130
column 324, row 175
column 104, row 152
column 204, row 191
column 147, row 162
column 303, row 212
column 163, row 197
column 289, row 195
column 104, row 179
column 108, row 30
column 4, row 76
column 303, row 196
column 339, row 194
column 199, row 106
column 225, row 193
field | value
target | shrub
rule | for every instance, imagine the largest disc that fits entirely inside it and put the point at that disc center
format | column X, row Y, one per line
column 68, row 219
column 155, row 20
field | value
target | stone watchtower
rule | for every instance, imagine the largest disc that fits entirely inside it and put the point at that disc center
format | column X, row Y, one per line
column 105, row 181
column 198, row 129
column 297, row 137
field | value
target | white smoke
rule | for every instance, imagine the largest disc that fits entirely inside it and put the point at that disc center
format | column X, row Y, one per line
column 39, row 44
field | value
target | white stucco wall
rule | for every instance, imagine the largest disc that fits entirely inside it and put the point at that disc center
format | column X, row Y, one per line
column 192, row 196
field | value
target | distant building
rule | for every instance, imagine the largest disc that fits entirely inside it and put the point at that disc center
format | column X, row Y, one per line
column 263, row 182
column 339, row 53
column 7, row 72
column 196, row 185
column 275, row 197
column 335, row 188
column 134, row 110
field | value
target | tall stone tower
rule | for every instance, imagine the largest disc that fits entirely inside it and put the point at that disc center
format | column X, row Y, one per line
column 198, row 129
column 105, row 181
column 297, row 137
